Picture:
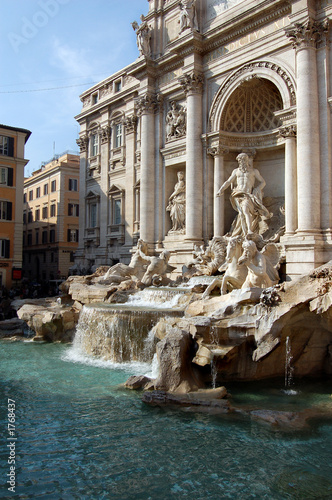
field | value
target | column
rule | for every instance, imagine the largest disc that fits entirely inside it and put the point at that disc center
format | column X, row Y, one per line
column 146, row 107
column 289, row 133
column 130, row 129
column 82, row 143
column 104, row 138
column 193, row 88
column 218, row 180
column 304, row 40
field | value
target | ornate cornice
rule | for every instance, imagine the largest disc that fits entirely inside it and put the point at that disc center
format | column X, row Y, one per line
column 288, row 131
column 82, row 143
column 148, row 103
column 192, row 83
column 308, row 34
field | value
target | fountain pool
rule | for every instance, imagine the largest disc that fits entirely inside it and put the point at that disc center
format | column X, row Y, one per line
column 80, row 435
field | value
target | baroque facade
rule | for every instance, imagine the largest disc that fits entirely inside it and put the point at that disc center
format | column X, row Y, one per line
column 214, row 78
column 50, row 219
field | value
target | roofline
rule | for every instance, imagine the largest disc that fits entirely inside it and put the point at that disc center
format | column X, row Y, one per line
column 17, row 129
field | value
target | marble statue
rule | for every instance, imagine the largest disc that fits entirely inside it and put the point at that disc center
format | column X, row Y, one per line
column 213, row 257
column 143, row 33
column 245, row 198
column 188, row 15
column 177, row 205
column 136, row 268
column 157, row 267
column 175, row 121
column 261, row 270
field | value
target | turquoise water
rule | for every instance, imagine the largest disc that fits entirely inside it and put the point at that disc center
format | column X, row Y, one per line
column 80, row 435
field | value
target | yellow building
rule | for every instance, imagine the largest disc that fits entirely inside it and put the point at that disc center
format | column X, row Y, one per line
column 12, row 163
column 50, row 219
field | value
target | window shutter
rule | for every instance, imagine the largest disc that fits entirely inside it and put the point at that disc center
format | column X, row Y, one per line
column 10, row 176
column 68, row 235
column 9, row 210
column 10, row 146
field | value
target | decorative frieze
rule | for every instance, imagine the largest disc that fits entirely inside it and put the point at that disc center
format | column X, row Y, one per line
column 308, row 34
column 192, row 83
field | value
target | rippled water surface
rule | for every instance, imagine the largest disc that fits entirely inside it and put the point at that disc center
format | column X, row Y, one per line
column 80, row 435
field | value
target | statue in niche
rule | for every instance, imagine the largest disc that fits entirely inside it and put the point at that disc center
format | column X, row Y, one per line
column 143, row 33
column 136, row 268
column 188, row 16
column 245, row 198
column 175, row 121
column 177, row 206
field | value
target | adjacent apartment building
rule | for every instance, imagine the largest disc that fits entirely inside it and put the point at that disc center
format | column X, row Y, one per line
column 213, row 79
column 12, row 163
column 50, row 219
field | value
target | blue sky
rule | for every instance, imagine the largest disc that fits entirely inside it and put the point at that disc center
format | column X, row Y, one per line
column 59, row 43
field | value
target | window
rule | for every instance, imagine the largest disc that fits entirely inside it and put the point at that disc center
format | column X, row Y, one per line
column 37, row 214
column 24, row 198
column 72, row 235
column 73, row 185
column 52, row 210
column 93, row 215
column 6, row 146
column 44, row 237
column 30, row 218
column 118, row 135
column 5, row 210
column 37, row 237
column 94, row 147
column 24, row 218
column 52, row 235
column 4, row 249
column 94, row 98
column 116, row 212
column 45, row 189
column 31, row 195
column 38, row 192
column 53, row 186
column 73, row 209
column 118, row 86
column 29, row 239
column 45, row 213
column 6, row 176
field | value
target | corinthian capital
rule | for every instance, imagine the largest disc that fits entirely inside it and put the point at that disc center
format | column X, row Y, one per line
column 82, row 143
column 288, row 131
column 130, row 123
column 308, row 34
column 147, row 103
column 192, row 83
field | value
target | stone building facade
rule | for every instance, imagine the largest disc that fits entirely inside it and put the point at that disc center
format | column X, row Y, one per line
column 12, row 163
column 50, row 219
column 214, row 78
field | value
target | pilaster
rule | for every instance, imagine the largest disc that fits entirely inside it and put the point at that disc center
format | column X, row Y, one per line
column 218, row 179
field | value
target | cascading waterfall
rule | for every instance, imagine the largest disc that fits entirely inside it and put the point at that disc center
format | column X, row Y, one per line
column 289, row 369
column 213, row 372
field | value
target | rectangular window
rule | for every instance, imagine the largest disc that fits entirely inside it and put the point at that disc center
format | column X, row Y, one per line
column 93, row 215
column 6, row 146
column 73, row 209
column 45, row 189
column 38, row 192
column 118, row 135
column 30, row 218
column 45, row 213
column 52, row 210
column 6, row 210
column 24, row 218
column 6, row 176
column 4, row 249
column 73, row 185
column 52, row 235
column 94, row 145
column 37, row 214
column 29, row 239
column 53, row 186
column 31, row 195
column 24, row 198
column 94, row 98
column 44, row 237
column 116, row 211
column 72, row 236
column 118, row 85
